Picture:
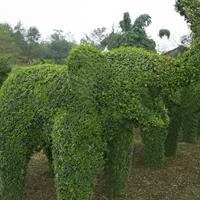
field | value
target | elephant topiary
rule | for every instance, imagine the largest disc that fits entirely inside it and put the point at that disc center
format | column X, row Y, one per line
column 82, row 116
column 184, row 106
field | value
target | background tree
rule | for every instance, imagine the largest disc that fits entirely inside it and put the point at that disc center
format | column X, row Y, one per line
column 4, row 68
column 125, row 24
column 131, row 34
column 58, row 48
column 164, row 32
column 19, row 35
column 112, row 40
column 95, row 38
column 33, row 47
column 8, row 45
column 190, row 10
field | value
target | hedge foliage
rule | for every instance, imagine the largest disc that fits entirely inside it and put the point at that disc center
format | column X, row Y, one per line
column 189, row 101
column 143, row 81
column 77, row 152
column 83, row 115
column 190, row 105
column 78, row 144
column 183, row 104
column 4, row 69
column 173, row 130
column 118, row 157
column 29, row 99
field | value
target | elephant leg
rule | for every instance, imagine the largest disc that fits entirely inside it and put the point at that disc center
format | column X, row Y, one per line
column 189, row 126
column 153, row 139
column 77, row 154
column 173, row 130
column 198, row 129
column 15, row 153
column 118, row 157
column 47, row 143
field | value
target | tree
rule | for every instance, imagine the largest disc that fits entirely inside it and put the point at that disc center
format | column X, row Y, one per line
column 141, row 23
column 112, row 40
column 95, row 38
column 8, row 46
column 164, row 32
column 125, row 24
column 58, row 48
column 33, row 35
column 25, row 46
column 4, row 68
column 190, row 10
column 32, row 48
column 131, row 34
column 20, row 39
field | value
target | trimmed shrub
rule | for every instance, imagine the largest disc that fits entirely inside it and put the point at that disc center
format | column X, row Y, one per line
column 118, row 157
column 198, row 128
column 191, row 94
column 29, row 98
column 190, row 112
column 136, row 94
column 189, row 127
column 82, row 116
column 173, row 129
column 4, row 69
column 77, row 152
column 153, row 139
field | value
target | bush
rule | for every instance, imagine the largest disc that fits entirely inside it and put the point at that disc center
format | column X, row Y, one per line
column 118, row 157
column 4, row 69
column 82, row 116
column 189, row 126
column 141, row 78
column 28, row 100
column 77, row 152
column 190, row 103
column 173, row 129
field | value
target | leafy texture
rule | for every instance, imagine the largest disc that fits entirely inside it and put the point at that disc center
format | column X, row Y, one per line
column 4, row 69
column 83, row 115
column 184, row 105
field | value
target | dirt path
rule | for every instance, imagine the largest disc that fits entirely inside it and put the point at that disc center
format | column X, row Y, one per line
column 178, row 180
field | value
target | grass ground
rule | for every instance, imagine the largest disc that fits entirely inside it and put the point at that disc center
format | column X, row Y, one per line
column 178, row 180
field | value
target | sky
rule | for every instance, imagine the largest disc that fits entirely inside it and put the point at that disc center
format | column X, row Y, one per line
column 83, row 16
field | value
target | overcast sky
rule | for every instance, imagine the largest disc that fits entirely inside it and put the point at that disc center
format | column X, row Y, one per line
column 82, row 16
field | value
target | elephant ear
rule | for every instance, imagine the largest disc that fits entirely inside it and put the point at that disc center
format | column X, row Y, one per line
column 85, row 64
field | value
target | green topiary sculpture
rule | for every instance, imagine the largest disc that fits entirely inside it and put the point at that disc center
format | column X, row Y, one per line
column 82, row 117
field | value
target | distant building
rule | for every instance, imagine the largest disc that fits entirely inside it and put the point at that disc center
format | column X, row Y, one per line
column 175, row 52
